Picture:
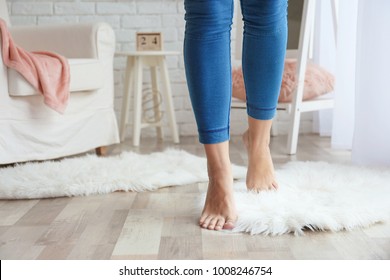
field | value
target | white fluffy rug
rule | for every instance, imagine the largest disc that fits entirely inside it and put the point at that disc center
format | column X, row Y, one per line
column 100, row 175
column 313, row 195
column 316, row 196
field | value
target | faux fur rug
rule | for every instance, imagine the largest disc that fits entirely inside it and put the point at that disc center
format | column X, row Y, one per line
column 316, row 196
column 312, row 195
column 100, row 175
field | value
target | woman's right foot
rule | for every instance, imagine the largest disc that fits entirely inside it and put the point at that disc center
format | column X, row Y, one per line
column 219, row 211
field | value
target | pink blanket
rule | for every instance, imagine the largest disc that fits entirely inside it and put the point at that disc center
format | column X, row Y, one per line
column 47, row 72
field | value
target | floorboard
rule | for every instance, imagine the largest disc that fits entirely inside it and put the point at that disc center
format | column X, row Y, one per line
column 163, row 224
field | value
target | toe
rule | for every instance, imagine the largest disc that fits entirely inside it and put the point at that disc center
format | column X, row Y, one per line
column 206, row 222
column 229, row 224
column 212, row 223
column 202, row 219
column 220, row 224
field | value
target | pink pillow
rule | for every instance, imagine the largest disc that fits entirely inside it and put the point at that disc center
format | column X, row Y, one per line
column 318, row 81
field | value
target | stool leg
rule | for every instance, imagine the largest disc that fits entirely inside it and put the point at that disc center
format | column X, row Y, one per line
column 126, row 96
column 138, row 67
column 156, row 104
column 168, row 100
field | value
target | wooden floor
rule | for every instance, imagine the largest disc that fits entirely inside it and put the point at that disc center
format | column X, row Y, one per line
column 162, row 225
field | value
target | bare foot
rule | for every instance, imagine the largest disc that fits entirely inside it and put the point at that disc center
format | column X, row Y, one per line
column 219, row 211
column 260, row 174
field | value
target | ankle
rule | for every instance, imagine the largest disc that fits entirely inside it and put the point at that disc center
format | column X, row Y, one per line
column 256, row 141
column 259, row 132
column 218, row 173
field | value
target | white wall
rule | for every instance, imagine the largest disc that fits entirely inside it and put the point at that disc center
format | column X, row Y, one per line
column 127, row 17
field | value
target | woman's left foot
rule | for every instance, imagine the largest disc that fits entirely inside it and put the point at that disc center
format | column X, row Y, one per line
column 261, row 173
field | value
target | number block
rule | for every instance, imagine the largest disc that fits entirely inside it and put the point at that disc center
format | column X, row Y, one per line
column 149, row 41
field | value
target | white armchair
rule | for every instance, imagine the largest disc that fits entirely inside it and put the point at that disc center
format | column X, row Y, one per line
column 29, row 130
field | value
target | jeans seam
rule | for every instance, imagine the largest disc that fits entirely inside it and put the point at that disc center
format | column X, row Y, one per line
column 260, row 109
column 214, row 130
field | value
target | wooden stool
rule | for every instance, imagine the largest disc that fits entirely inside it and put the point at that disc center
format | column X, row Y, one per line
column 136, row 61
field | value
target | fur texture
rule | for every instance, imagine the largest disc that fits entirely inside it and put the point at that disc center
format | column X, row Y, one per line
column 100, row 175
column 312, row 195
column 318, row 82
column 316, row 196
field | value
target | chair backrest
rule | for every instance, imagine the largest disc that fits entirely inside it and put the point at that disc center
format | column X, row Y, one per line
column 4, row 11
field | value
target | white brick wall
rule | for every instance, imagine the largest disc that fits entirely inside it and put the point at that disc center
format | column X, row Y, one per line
column 127, row 17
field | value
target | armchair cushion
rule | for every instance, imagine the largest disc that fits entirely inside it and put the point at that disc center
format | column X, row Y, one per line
column 85, row 74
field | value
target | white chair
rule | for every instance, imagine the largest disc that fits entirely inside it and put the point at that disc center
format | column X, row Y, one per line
column 29, row 130
column 297, row 106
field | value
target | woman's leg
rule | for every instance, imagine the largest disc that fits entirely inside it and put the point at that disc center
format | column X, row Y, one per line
column 219, row 210
column 208, row 71
column 264, row 48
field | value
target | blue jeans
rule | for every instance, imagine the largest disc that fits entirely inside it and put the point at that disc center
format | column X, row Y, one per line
column 207, row 60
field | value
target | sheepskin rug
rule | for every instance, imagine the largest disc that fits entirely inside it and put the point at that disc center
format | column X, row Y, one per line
column 312, row 195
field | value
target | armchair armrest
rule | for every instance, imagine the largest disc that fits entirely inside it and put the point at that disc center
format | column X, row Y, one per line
column 70, row 40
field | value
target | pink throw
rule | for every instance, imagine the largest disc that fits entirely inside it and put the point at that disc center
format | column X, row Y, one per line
column 47, row 72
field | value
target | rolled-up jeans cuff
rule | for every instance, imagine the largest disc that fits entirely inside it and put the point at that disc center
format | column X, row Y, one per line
column 214, row 136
